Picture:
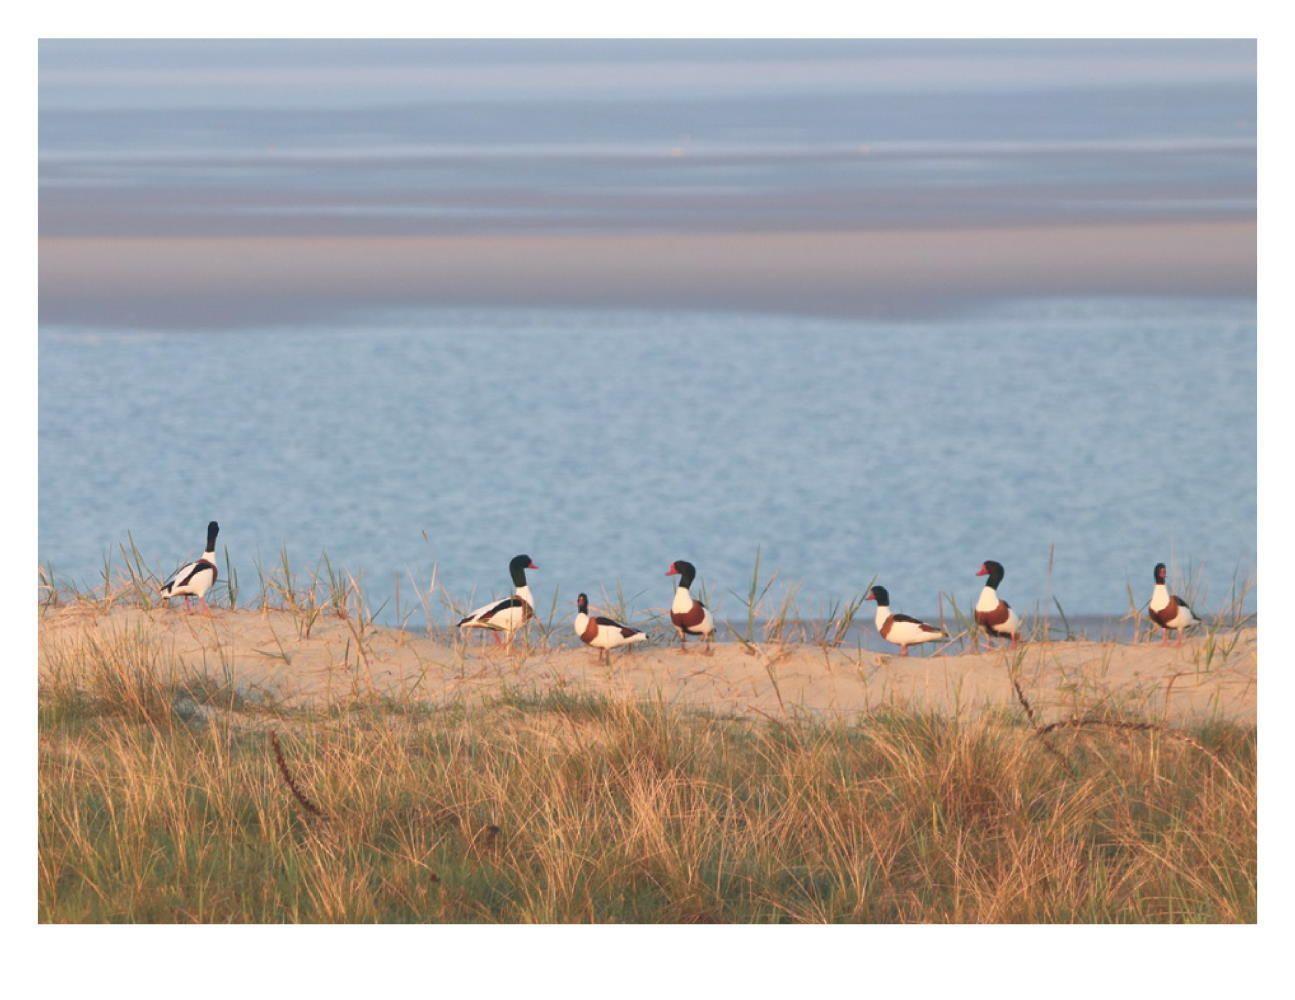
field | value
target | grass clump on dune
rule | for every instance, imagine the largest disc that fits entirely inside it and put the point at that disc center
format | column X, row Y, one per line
column 570, row 807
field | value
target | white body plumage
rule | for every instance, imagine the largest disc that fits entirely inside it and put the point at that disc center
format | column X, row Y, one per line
column 683, row 604
column 602, row 636
column 904, row 633
column 503, row 616
column 511, row 613
column 1160, row 600
column 194, row 579
column 989, row 602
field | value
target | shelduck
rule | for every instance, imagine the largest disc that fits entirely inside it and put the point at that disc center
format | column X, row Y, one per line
column 604, row 634
column 902, row 630
column 688, row 615
column 510, row 614
column 1167, row 610
column 994, row 614
column 194, row 579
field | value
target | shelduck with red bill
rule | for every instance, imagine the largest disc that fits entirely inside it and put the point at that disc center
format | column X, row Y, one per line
column 688, row 615
column 993, row 614
column 507, row 616
column 603, row 634
column 902, row 630
column 1167, row 610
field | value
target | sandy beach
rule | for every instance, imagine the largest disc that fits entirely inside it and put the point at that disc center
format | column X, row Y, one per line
column 264, row 657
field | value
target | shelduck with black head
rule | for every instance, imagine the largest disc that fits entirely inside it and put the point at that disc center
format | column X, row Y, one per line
column 993, row 614
column 688, row 615
column 603, row 634
column 194, row 579
column 507, row 616
column 1167, row 610
column 902, row 630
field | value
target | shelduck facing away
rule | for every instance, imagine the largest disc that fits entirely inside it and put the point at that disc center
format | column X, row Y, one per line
column 1167, row 610
column 510, row 614
column 194, row 579
column 688, row 615
column 604, row 634
column 994, row 614
column 902, row 630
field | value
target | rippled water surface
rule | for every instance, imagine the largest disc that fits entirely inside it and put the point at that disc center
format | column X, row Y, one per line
column 607, row 444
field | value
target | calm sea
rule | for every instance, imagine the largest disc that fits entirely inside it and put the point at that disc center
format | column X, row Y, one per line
column 1111, row 433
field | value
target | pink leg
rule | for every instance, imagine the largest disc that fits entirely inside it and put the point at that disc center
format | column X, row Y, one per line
column 188, row 609
column 903, row 650
column 205, row 607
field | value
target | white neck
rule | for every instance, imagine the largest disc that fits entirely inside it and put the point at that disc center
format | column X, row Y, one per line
column 582, row 620
column 682, row 599
column 524, row 592
column 1159, row 596
column 988, row 599
column 210, row 555
column 883, row 612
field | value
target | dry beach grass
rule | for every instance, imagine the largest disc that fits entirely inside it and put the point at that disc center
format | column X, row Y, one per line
column 302, row 764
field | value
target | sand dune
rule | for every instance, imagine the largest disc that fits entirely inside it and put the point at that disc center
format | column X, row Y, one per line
column 262, row 654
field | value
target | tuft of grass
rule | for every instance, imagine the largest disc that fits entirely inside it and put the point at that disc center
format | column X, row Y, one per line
column 757, row 591
column 839, row 619
column 1065, row 622
column 966, row 631
column 575, row 705
column 141, row 582
column 50, row 594
column 231, row 581
column 123, row 672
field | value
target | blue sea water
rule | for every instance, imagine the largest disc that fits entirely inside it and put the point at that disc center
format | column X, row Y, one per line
column 1114, row 433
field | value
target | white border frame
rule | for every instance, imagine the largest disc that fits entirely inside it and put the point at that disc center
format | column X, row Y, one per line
column 1048, row 961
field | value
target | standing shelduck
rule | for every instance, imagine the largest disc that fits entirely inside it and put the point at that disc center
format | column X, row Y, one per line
column 902, row 630
column 994, row 614
column 194, row 579
column 604, row 634
column 510, row 614
column 688, row 615
column 1167, row 610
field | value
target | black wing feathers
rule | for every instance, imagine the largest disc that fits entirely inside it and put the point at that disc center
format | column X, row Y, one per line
column 182, row 576
column 198, row 567
column 626, row 631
